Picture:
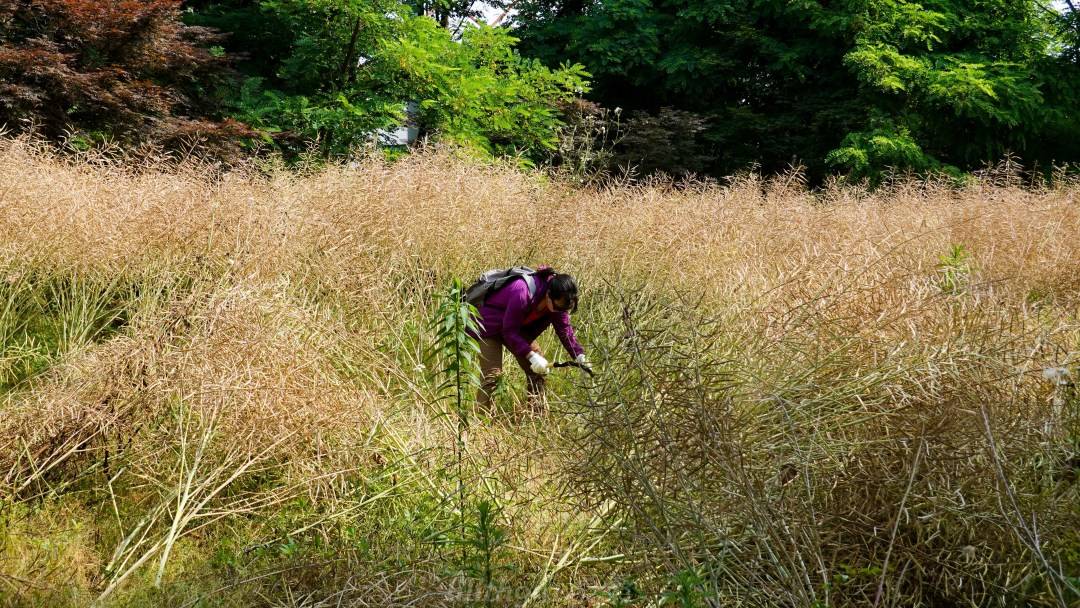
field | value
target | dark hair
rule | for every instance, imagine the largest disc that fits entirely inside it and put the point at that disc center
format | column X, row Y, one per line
column 562, row 287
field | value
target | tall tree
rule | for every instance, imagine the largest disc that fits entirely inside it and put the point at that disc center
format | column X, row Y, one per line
column 855, row 85
column 128, row 71
column 336, row 72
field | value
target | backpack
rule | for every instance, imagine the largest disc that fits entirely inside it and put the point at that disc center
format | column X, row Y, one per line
column 495, row 279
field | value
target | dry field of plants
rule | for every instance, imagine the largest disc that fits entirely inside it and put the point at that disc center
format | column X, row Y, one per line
column 216, row 390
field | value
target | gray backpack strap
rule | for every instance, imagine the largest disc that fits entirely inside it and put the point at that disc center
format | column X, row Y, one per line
column 530, row 282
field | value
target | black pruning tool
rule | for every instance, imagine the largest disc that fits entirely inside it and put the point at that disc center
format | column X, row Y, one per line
column 575, row 364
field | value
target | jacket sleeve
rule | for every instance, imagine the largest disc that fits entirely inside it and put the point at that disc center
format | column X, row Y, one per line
column 517, row 306
column 565, row 331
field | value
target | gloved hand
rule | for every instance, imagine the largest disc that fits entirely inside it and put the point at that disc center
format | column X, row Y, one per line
column 583, row 362
column 538, row 363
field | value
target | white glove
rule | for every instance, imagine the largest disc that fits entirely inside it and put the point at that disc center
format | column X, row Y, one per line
column 582, row 361
column 538, row 363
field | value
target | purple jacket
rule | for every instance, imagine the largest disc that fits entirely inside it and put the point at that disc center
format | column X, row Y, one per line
column 504, row 312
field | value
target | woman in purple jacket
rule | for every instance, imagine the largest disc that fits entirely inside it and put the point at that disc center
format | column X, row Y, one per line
column 513, row 319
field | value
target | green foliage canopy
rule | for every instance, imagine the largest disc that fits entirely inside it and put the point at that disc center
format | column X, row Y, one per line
column 855, row 85
column 338, row 71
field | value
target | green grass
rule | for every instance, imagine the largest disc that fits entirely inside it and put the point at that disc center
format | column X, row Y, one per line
column 44, row 316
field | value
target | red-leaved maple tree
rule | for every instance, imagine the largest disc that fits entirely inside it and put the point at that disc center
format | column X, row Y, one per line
column 127, row 70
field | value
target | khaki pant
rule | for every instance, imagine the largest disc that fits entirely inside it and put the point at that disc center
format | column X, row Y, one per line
column 491, row 360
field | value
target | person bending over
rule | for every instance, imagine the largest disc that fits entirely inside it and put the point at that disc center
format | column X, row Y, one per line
column 513, row 317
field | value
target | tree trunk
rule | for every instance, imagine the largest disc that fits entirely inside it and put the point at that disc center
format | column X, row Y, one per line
column 348, row 66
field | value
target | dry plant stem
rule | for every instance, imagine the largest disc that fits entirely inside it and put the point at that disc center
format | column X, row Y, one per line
column 199, row 492
column 252, row 579
column 1027, row 534
column 567, row 559
column 184, row 489
column 815, row 540
column 879, row 594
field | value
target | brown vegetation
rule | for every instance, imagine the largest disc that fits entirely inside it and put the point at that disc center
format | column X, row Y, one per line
column 214, row 386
